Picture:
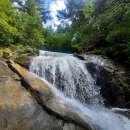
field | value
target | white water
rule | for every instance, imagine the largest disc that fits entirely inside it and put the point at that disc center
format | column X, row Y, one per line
column 76, row 87
column 68, row 74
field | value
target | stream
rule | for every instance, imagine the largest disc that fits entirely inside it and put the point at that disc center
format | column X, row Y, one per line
column 70, row 80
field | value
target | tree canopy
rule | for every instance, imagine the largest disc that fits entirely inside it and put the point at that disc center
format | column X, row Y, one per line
column 97, row 26
column 20, row 25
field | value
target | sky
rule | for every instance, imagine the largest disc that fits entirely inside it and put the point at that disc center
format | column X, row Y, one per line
column 53, row 6
column 17, row 5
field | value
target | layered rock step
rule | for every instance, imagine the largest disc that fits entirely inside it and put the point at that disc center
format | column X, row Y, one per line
column 28, row 103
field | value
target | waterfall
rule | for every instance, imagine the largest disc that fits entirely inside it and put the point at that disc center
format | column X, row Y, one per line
column 72, row 82
column 68, row 74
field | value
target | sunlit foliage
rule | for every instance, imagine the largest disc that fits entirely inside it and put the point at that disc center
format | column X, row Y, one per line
column 20, row 26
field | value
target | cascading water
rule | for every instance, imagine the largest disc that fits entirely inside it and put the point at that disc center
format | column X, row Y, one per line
column 69, row 75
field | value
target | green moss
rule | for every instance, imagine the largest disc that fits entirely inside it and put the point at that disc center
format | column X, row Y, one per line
column 1, row 50
column 18, row 51
column 22, row 50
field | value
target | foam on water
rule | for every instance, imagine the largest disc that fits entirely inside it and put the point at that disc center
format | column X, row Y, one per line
column 101, row 118
column 68, row 74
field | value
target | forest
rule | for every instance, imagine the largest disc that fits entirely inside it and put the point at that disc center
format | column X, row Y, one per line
column 87, row 26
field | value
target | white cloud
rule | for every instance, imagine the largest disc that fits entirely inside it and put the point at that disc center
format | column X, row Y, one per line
column 58, row 5
column 54, row 6
column 15, row 4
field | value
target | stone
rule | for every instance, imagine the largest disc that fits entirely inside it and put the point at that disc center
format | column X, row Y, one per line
column 6, row 55
column 23, row 61
column 5, row 72
column 44, row 95
column 112, row 78
column 127, row 105
column 19, row 111
column 71, row 127
column 30, row 104
column 101, row 61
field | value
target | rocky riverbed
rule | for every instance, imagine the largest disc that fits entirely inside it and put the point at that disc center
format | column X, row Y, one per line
column 28, row 103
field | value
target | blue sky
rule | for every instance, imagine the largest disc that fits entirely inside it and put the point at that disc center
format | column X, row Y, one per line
column 53, row 6
column 50, row 5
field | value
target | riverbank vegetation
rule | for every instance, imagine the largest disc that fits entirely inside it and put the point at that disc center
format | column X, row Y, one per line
column 100, row 27
column 96, row 26
column 20, row 25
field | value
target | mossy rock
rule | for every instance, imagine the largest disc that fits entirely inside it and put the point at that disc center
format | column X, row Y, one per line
column 22, row 50
column 23, row 60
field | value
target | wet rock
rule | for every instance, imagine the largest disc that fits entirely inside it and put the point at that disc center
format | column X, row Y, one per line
column 71, row 127
column 127, row 105
column 6, row 55
column 23, row 61
column 111, row 77
column 19, row 111
column 5, row 72
column 110, row 89
column 39, row 104
column 101, row 61
column 125, row 112
column 79, row 56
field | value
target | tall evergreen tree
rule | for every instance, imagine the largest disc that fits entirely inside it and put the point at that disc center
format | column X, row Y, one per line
column 22, row 26
column 35, row 30
column 8, row 31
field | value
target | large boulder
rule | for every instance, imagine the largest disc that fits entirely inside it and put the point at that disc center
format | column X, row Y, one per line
column 5, row 72
column 28, row 103
column 23, row 60
column 44, row 95
column 6, row 55
column 110, row 89
column 112, row 78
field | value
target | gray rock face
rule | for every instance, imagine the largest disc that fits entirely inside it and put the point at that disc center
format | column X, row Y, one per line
column 112, row 78
column 101, row 61
column 18, row 109
column 23, row 110
column 23, row 61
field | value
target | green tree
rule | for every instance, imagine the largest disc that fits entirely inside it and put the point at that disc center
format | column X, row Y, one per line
column 8, row 31
column 20, row 26
column 107, row 30
column 34, row 29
